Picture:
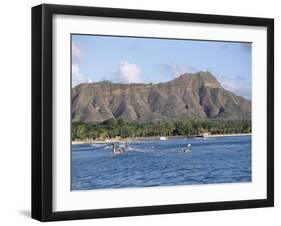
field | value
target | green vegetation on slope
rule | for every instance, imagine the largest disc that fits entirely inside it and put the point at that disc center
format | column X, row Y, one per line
column 113, row 128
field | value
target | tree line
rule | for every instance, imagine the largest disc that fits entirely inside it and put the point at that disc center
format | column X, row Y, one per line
column 113, row 128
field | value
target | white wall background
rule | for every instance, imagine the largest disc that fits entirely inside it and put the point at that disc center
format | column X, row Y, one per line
column 15, row 128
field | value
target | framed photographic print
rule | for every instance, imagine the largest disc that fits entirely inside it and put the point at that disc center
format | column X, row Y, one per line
column 145, row 112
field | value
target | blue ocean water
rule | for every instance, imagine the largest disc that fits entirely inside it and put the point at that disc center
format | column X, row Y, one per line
column 162, row 163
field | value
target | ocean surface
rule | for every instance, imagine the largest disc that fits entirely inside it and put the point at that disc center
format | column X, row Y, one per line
column 162, row 163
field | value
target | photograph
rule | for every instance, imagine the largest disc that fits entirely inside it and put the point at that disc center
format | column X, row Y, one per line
column 142, row 112
column 148, row 111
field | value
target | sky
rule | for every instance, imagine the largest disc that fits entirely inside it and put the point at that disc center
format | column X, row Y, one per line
column 152, row 60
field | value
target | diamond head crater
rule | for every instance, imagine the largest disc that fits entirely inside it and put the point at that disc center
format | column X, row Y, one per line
column 190, row 105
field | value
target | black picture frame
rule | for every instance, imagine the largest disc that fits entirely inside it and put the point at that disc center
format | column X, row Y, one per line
column 42, row 111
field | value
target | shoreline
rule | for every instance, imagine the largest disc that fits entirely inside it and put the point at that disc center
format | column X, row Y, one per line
column 230, row 135
column 157, row 138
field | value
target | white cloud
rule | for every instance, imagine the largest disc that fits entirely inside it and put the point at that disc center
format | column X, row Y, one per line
column 77, row 53
column 175, row 70
column 77, row 77
column 77, row 56
column 128, row 73
column 227, row 84
column 240, row 88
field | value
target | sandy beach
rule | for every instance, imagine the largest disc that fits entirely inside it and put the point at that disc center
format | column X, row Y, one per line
column 230, row 135
column 154, row 138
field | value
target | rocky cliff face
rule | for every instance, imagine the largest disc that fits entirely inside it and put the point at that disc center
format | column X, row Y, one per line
column 197, row 95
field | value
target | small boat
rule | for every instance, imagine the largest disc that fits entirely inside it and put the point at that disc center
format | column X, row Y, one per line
column 188, row 149
column 119, row 150
column 163, row 138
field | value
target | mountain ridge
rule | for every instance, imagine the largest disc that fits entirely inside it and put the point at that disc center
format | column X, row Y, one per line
column 191, row 95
